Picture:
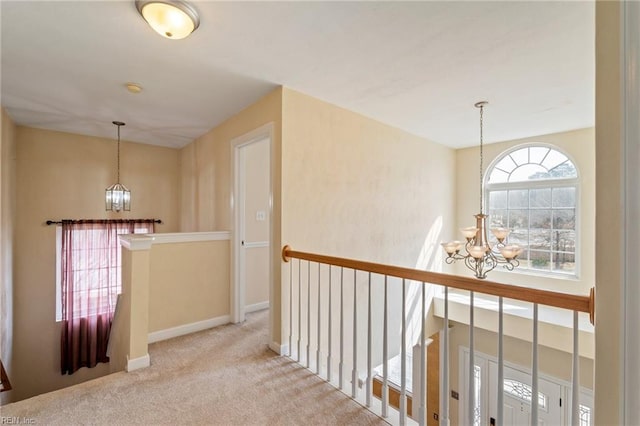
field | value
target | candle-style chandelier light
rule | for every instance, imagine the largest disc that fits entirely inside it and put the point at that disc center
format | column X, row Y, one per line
column 479, row 255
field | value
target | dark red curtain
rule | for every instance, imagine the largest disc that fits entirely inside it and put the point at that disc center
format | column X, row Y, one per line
column 90, row 284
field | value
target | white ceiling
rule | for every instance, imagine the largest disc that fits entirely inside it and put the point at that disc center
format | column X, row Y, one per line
column 419, row 66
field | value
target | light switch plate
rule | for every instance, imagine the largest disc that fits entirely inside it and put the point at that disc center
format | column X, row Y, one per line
column 261, row 215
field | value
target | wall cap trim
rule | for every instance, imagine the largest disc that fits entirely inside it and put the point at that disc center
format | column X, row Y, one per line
column 136, row 242
column 188, row 237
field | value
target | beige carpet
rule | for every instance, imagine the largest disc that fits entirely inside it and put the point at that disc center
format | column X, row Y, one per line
column 222, row 376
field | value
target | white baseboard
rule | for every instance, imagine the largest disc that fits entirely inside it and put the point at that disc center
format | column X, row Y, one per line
column 256, row 307
column 138, row 363
column 181, row 330
column 279, row 349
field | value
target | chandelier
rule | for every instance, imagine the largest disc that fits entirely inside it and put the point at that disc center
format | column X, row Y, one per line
column 118, row 197
column 480, row 256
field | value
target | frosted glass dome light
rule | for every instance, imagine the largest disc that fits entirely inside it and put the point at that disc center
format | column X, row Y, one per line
column 171, row 19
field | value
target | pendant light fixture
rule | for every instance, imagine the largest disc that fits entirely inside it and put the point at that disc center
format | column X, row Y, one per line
column 480, row 256
column 171, row 19
column 118, row 197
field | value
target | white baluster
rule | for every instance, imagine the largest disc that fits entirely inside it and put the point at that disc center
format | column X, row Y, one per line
column 319, row 322
column 298, row 358
column 575, row 374
column 472, row 375
column 341, row 365
column 423, row 361
column 307, row 363
column 444, row 365
column 369, row 361
column 354, row 370
column 403, row 359
column 329, row 332
column 385, row 358
column 534, row 369
column 290, row 308
column 500, row 415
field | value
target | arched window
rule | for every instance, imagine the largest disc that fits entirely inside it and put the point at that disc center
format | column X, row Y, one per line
column 533, row 191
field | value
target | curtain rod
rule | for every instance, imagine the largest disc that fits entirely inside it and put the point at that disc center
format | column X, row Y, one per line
column 89, row 221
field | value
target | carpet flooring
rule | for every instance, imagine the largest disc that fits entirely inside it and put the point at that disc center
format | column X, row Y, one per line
column 221, row 376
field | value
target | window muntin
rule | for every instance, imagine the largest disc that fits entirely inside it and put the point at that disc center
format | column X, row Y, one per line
column 532, row 163
column 477, row 404
column 523, row 392
column 533, row 191
column 585, row 415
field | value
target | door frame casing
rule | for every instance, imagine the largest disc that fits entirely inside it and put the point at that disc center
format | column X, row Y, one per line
column 237, row 290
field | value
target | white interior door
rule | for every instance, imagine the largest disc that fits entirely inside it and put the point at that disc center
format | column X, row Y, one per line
column 254, row 211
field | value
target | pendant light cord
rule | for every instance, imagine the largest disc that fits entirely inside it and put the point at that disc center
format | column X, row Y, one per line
column 118, row 180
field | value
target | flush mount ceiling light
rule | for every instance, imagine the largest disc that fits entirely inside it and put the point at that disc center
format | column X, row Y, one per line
column 170, row 19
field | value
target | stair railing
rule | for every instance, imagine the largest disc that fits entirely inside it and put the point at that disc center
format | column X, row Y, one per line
column 297, row 338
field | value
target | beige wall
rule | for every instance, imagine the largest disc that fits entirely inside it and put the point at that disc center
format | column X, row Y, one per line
column 205, row 178
column 205, row 181
column 357, row 188
column 610, row 225
column 579, row 145
column 189, row 282
column 62, row 175
column 7, row 219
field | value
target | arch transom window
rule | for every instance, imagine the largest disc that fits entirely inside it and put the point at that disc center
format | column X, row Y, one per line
column 533, row 191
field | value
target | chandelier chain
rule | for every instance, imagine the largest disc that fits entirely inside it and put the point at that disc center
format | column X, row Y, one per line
column 481, row 160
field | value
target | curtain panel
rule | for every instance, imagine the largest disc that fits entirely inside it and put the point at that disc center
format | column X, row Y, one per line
column 90, row 284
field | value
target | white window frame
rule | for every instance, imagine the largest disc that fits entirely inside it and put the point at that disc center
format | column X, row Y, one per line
column 539, row 184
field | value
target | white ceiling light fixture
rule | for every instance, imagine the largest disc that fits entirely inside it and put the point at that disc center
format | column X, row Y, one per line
column 118, row 197
column 171, row 19
column 480, row 256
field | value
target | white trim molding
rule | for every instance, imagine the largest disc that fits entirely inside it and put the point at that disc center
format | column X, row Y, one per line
column 182, row 330
column 266, row 131
column 256, row 307
column 138, row 363
column 189, row 237
column 136, row 242
column 630, row 57
column 279, row 349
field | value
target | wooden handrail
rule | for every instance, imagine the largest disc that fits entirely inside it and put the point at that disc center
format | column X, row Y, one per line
column 572, row 302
